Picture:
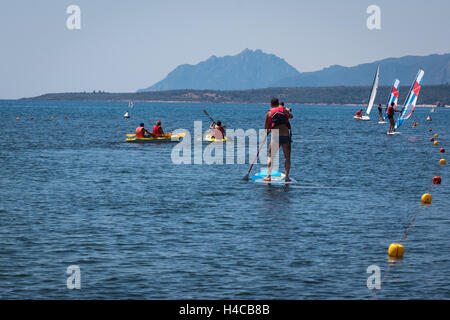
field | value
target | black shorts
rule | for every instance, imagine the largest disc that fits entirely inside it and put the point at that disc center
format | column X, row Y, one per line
column 284, row 139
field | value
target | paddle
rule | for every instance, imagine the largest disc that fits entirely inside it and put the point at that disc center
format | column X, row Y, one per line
column 262, row 145
column 207, row 114
column 212, row 120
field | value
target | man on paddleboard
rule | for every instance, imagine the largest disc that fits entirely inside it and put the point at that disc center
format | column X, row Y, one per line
column 140, row 132
column 380, row 111
column 390, row 114
column 277, row 118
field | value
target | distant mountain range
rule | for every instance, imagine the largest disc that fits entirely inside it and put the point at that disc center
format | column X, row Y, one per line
column 437, row 71
column 253, row 69
column 249, row 69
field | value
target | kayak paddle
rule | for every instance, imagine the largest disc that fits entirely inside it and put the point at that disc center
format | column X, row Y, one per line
column 207, row 114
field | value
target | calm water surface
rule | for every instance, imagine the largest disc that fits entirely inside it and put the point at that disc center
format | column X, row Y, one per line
column 72, row 193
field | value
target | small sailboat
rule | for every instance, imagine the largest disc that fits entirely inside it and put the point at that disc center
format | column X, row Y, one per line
column 130, row 104
column 126, row 115
column 373, row 94
column 433, row 110
column 411, row 100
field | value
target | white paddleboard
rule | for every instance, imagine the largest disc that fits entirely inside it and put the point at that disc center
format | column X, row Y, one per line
column 395, row 132
column 381, row 122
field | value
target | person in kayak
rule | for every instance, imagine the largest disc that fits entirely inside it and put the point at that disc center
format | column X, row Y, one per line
column 278, row 118
column 218, row 130
column 157, row 130
column 359, row 113
column 141, row 131
column 390, row 114
column 380, row 111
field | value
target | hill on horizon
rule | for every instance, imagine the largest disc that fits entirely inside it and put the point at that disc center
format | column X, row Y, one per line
column 254, row 69
column 250, row 69
column 437, row 71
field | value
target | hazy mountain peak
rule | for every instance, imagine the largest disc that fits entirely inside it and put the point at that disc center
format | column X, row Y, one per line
column 249, row 69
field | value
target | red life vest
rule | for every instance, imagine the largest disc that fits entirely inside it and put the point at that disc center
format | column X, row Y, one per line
column 359, row 113
column 222, row 130
column 140, row 132
column 390, row 111
column 277, row 114
column 157, row 130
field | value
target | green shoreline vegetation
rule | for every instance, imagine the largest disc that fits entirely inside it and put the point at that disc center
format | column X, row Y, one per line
column 429, row 95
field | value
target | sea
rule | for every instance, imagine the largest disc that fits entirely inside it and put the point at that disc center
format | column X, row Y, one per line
column 85, row 215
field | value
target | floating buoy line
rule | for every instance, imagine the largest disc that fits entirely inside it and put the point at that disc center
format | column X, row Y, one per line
column 51, row 117
column 397, row 250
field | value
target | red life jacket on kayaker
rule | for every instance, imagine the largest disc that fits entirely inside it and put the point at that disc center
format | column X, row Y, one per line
column 140, row 132
column 157, row 131
column 222, row 130
column 359, row 113
column 278, row 117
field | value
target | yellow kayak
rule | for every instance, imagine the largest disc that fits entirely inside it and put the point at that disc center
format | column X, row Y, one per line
column 168, row 137
column 211, row 138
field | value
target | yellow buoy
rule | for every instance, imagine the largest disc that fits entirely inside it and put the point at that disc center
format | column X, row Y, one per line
column 426, row 198
column 17, row 118
column 396, row 250
column 53, row 118
column 442, row 161
column 436, row 143
column 436, row 135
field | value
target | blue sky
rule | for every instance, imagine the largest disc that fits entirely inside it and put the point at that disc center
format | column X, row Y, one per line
column 127, row 45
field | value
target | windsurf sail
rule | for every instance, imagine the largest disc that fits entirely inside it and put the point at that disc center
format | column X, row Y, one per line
column 393, row 97
column 373, row 93
column 130, row 104
column 411, row 99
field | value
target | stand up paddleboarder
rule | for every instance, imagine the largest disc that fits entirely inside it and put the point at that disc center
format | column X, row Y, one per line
column 277, row 118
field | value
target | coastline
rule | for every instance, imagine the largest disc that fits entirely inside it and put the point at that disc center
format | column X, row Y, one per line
column 318, row 104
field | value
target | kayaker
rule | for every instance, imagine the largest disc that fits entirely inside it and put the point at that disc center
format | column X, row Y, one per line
column 140, row 132
column 218, row 130
column 390, row 114
column 157, row 130
column 359, row 113
column 278, row 118
column 380, row 111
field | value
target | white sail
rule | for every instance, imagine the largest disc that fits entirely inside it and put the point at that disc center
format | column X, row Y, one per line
column 130, row 104
column 373, row 94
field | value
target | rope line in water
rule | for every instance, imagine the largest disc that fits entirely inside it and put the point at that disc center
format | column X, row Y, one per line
column 412, row 220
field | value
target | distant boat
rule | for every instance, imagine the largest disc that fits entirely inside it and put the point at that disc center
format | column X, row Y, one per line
column 130, row 104
column 373, row 94
column 126, row 115
column 433, row 110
